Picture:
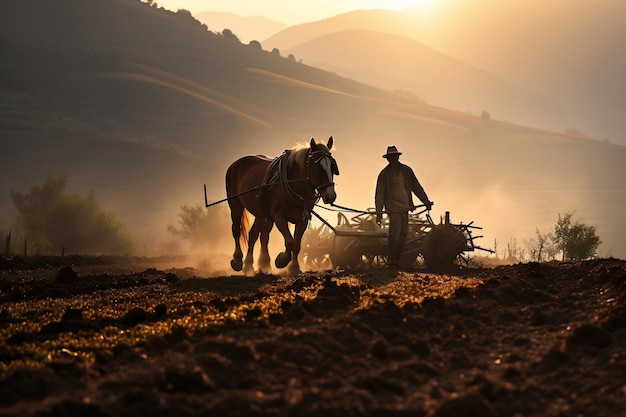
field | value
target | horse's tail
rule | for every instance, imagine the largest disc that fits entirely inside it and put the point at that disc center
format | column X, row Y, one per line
column 243, row 230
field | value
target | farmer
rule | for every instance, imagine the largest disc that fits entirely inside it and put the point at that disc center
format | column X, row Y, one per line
column 394, row 188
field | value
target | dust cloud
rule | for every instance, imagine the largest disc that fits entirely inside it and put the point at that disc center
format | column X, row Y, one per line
column 511, row 185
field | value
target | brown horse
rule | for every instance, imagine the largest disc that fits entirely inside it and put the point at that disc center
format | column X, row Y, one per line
column 279, row 191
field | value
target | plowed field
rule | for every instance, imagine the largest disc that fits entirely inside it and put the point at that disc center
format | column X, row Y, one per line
column 109, row 336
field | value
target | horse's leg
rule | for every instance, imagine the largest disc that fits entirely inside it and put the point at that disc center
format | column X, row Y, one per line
column 283, row 258
column 236, row 214
column 294, row 267
column 248, row 268
column 264, row 256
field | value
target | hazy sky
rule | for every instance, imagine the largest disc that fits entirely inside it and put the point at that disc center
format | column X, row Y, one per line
column 290, row 12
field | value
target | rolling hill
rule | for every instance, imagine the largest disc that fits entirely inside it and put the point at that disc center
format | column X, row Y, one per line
column 144, row 106
column 571, row 52
column 397, row 63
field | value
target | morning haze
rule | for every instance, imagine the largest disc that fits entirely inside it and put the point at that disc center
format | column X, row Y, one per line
column 555, row 64
column 144, row 106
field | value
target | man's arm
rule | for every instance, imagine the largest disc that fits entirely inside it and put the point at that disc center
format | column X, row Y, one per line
column 379, row 197
column 418, row 190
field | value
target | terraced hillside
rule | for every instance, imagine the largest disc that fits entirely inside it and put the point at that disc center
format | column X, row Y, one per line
column 144, row 106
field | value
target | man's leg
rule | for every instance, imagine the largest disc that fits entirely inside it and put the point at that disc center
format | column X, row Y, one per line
column 394, row 238
column 404, row 232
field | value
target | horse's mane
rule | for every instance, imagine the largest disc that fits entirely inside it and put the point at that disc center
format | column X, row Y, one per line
column 299, row 146
column 297, row 154
column 305, row 145
column 298, row 151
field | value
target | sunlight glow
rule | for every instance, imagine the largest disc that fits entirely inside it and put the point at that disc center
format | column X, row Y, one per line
column 409, row 4
column 291, row 12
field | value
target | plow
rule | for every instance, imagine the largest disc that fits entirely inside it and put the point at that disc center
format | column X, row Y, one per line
column 360, row 243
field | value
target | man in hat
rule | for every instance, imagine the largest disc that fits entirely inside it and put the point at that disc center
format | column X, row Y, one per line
column 394, row 188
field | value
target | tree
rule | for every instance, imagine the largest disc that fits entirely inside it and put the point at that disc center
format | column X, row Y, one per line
column 51, row 220
column 228, row 34
column 577, row 240
column 513, row 251
column 202, row 227
column 542, row 247
column 255, row 45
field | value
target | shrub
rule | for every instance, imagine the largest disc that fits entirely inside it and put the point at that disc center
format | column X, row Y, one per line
column 577, row 240
column 228, row 34
column 255, row 45
column 53, row 220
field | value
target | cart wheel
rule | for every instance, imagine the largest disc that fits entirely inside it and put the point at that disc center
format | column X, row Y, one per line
column 315, row 248
column 373, row 261
column 317, row 263
column 345, row 252
column 442, row 245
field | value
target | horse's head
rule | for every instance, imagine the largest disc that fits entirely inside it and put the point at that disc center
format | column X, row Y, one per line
column 322, row 168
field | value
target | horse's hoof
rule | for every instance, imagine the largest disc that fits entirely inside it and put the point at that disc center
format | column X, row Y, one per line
column 237, row 265
column 249, row 271
column 265, row 265
column 294, row 271
column 282, row 260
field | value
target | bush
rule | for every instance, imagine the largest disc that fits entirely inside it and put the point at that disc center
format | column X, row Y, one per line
column 52, row 221
column 577, row 240
column 542, row 247
column 228, row 34
column 255, row 45
column 571, row 240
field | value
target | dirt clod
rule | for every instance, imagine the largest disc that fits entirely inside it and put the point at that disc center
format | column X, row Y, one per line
column 67, row 275
column 527, row 339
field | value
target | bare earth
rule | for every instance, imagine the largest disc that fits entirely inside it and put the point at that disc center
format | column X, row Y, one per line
column 109, row 336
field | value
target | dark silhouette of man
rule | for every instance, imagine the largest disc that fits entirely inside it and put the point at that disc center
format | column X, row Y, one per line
column 394, row 194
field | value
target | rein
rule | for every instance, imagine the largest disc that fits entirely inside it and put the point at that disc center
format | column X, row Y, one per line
column 342, row 208
column 316, row 157
column 312, row 158
column 291, row 194
column 281, row 176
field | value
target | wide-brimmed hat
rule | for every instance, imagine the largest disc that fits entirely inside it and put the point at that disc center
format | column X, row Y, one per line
column 392, row 150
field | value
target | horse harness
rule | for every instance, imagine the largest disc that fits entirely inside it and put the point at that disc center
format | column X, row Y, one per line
column 273, row 176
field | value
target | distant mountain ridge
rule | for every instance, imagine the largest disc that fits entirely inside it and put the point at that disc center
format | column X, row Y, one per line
column 569, row 51
column 388, row 21
column 246, row 28
column 397, row 63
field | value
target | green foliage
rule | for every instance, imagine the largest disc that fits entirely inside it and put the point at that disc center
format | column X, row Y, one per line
column 542, row 247
column 51, row 220
column 577, row 240
column 574, row 240
column 202, row 226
